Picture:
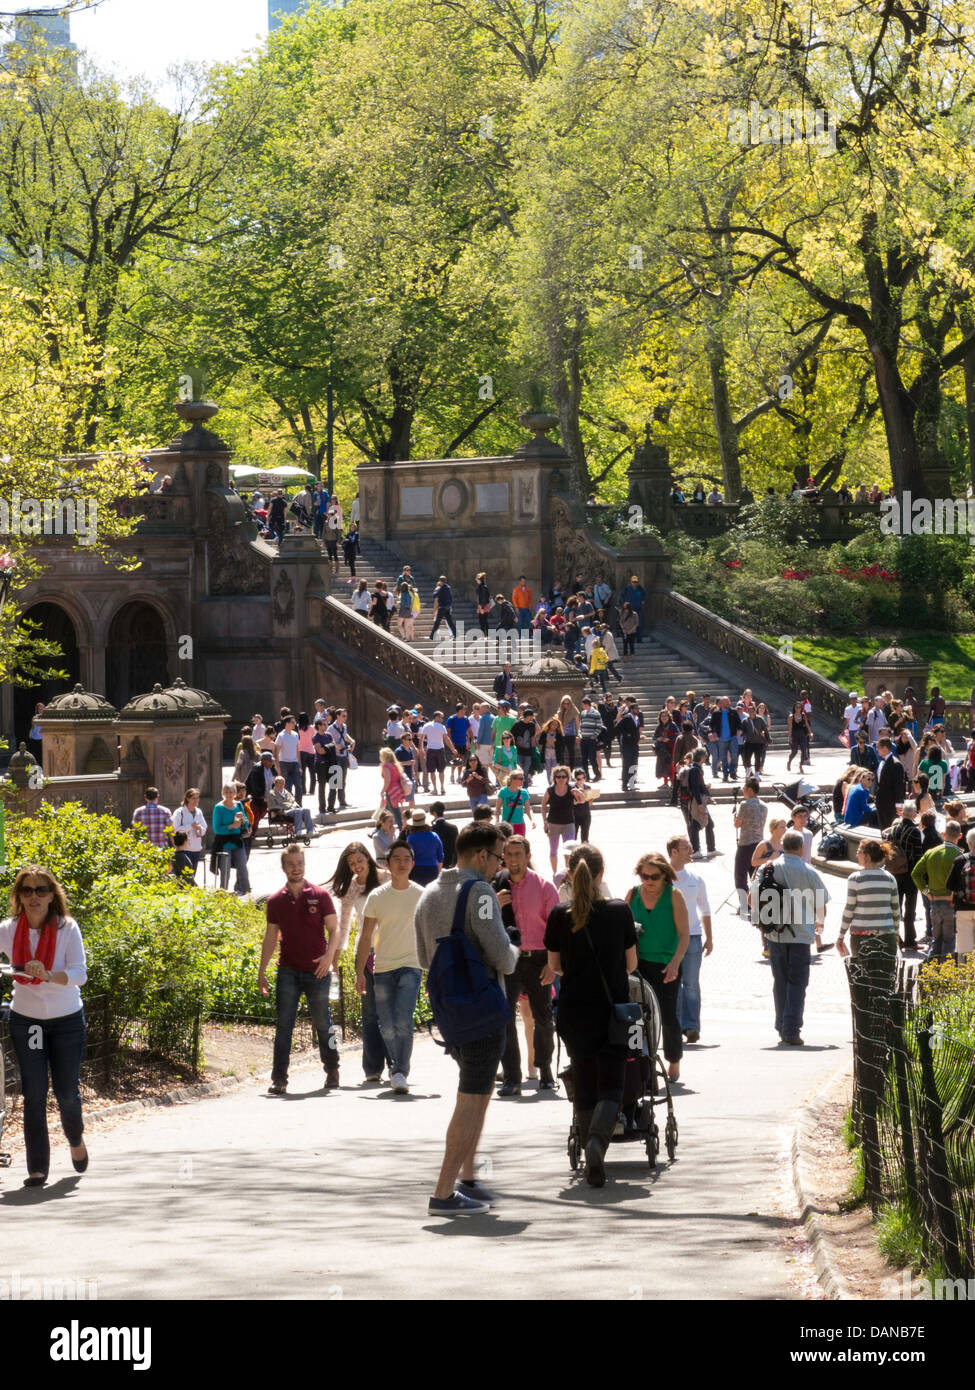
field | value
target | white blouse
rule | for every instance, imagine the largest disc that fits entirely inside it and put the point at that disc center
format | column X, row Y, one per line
column 193, row 824
column 354, row 901
column 49, row 1000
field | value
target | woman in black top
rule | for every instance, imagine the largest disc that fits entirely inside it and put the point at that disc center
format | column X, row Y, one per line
column 558, row 818
column 484, row 601
column 591, row 944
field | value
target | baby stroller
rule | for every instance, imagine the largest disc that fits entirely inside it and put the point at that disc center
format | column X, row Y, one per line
column 806, row 793
column 636, row 1122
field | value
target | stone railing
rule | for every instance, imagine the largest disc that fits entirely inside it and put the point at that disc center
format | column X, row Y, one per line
column 960, row 718
column 827, row 699
column 158, row 511
column 580, row 549
column 437, row 686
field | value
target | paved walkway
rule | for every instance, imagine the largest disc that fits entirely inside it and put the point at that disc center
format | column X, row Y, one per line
column 321, row 1195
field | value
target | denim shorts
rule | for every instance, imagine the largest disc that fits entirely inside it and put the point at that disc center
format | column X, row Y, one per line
column 479, row 1062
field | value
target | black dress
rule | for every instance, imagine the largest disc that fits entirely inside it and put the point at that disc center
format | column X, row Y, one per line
column 583, row 1009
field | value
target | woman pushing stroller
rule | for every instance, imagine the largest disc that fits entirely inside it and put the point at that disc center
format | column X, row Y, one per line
column 591, row 944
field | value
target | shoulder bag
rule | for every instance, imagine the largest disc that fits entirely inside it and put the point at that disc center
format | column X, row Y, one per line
column 625, row 1020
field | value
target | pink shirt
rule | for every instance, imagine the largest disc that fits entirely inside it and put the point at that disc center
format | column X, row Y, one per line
column 532, row 899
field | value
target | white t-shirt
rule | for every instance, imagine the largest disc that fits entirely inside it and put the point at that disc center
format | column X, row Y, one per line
column 852, row 716
column 434, row 733
column 394, row 728
column 258, row 732
column 394, row 944
column 696, row 897
column 287, row 745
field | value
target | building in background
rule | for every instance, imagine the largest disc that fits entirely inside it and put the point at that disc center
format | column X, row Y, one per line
column 279, row 9
column 45, row 27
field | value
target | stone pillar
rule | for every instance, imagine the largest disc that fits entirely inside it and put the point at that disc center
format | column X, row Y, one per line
column 79, row 735
column 893, row 668
column 650, row 483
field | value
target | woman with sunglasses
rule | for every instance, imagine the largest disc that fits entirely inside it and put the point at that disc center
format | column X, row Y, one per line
column 591, row 944
column 558, row 818
column 47, row 1022
column 660, row 913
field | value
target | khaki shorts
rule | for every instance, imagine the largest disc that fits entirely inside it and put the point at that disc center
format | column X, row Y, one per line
column 964, row 932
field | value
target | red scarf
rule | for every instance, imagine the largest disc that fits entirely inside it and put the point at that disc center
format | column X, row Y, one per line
column 21, row 951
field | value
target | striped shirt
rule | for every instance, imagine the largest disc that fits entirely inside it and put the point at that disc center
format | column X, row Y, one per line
column 871, row 902
column 590, row 724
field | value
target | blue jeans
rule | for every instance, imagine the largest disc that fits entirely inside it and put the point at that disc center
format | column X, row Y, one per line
column 689, row 998
column 524, row 619
column 790, row 976
column 58, row 1045
column 291, row 772
column 303, row 823
column 396, row 994
column 477, row 801
column 236, row 857
column 374, row 1053
column 724, row 757
column 291, row 984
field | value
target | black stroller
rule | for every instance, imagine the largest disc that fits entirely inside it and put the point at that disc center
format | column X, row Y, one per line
column 636, row 1122
column 805, row 793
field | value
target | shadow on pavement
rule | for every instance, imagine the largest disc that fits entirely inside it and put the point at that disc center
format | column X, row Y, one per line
column 36, row 1196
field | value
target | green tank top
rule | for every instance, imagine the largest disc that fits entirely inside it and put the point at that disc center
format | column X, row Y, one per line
column 657, row 941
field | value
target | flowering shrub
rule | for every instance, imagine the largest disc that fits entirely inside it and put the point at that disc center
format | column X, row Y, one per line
column 870, row 572
column 796, row 574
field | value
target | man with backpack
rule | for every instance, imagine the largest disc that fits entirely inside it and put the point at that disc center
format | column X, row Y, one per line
column 788, row 902
column 459, row 915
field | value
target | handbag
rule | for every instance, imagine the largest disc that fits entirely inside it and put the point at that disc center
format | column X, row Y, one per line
column 625, row 1020
column 353, row 762
column 700, row 814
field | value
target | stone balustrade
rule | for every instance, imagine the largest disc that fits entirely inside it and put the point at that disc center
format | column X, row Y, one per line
column 828, row 699
column 436, row 686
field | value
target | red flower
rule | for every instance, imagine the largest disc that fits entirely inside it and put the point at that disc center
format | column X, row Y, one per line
column 732, row 564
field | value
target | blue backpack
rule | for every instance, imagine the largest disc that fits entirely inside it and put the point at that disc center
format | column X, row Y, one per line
column 467, row 1004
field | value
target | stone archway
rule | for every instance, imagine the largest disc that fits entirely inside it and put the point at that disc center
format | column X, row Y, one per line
column 56, row 625
column 136, row 653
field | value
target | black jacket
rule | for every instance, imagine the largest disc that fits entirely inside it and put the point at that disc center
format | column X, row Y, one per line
column 891, row 788
column 255, row 783
column 448, row 838
column 500, row 686
column 734, row 721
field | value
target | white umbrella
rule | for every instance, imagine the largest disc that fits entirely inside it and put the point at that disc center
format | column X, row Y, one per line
column 243, row 470
column 287, row 471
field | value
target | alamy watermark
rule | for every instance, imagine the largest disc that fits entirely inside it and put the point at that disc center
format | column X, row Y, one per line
column 769, row 125
column 789, row 907
column 475, row 648
column 908, row 515
column 50, row 516
column 27, row 1288
column 914, row 1288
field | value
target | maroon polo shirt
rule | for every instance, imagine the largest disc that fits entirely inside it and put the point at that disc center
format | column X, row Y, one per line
column 301, row 922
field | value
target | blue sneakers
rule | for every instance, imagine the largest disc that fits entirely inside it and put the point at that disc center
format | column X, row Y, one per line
column 477, row 1190
column 457, row 1205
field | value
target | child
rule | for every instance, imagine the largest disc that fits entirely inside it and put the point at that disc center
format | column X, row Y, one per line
column 182, row 865
column 383, row 836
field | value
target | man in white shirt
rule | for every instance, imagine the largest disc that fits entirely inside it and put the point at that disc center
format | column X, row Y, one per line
column 680, row 851
column 851, row 716
column 289, row 760
column 876, row 719
column 390, row 909
column 433, row 739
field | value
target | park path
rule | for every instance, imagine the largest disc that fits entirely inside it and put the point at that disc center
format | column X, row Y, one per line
column 323, row 1195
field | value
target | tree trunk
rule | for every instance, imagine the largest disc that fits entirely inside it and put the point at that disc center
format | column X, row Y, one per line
column 724, row 422
column 566, row 380
column 898, row 412
column 968, row 371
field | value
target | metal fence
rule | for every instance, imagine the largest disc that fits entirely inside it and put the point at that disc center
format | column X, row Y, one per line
column 171, row 1032
column 914, row 1108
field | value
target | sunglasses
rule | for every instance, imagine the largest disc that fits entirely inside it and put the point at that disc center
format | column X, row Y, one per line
column 649, row 878
column 41, row 891
column 561, row 777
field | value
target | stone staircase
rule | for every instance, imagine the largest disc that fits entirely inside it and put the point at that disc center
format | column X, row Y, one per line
column 654, row 672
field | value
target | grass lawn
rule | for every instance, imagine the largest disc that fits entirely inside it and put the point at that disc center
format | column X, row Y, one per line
column 951, row 658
